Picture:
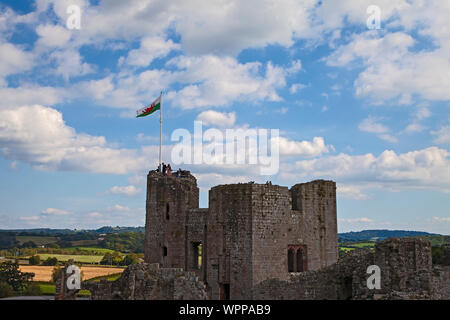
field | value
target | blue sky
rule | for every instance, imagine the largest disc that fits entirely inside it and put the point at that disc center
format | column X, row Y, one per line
column 366, row 108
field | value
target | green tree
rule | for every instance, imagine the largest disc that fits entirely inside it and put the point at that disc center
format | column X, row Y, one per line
column 32, row 289
column 5, row 290
column 111, row 259
column 56, row 273
column 50, row 261
column 29, row 244
column 129, row 259
column 10, row 273
column 34, row 260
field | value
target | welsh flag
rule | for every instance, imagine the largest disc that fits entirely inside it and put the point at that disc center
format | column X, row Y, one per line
column 156, row 105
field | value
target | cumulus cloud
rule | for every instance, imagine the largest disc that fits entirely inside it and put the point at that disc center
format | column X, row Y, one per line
column 217, row 81
column 150, row 49
column 39, row 136
column 296, row 87
column 53, row 211
column 14, row 60
column 304, row 148
column 69, row 63
column 392, row 70
column 220, row 119
column 28, row 94
column 442, row 135
column 372, row 125
column 52, row 35
column 422, row 169
column 356, row 220
column 351, row 192
column 125, row 190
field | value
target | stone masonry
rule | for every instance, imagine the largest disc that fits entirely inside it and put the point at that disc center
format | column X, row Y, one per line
column 263, row 241
column 249, row 233
column 145, row 281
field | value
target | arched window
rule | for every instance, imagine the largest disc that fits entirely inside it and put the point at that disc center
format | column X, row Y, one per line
column 165, row 251
column 291, row 260
column 297, row 258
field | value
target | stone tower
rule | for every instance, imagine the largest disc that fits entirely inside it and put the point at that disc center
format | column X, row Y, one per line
column 250, row 232
column 168, row 201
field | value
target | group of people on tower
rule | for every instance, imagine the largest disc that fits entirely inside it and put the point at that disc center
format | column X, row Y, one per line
column 167, row 170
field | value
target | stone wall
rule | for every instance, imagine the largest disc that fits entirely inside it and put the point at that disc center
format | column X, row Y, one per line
column 169, row 198
column 229, row 238
column 406, row 273
column 441, row 283
column 145, row 281
column 316, row 202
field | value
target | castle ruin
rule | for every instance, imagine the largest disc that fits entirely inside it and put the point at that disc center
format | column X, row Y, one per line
column 250, row 232
column 263, row 241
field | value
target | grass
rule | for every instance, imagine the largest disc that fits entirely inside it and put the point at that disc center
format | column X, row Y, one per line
column 93, row 250
column 36, row 239
column 361, row 245
column 75, row 258
column 349, row 246
column 111, row 277
column 47, row 288
column 80, row 243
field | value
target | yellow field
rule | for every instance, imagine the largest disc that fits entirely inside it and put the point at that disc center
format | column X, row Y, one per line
column 44, row 273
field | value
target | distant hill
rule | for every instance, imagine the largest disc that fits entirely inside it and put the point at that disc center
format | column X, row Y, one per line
column 376, row 235
column 46, row 231
column 365, row 235
column 120, row 229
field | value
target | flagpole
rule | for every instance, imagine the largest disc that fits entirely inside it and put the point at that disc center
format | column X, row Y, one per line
column 160, row 131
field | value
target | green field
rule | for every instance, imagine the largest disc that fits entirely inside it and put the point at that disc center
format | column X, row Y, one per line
column 92, row 250
column 47, row 288
column 76, row 258
column 349, row 246
column 361, row 245
column 36, row 239
column 111, row 277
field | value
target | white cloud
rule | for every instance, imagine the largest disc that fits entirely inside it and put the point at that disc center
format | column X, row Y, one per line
column 356, row 220
column 371, row 125
column 442, row 135
column 304, row 148
column 219, row 27
column 422, row 169
column 95, row 214
column 393, row 71
column 53, row 211
column 150, row 49
column 220, row 119
column 69, row 63
column 296, row 87
column 439, row 219
column 14, row 60
column 351, row 192
column 28, row 94
column 126, row 190
column 215, row 81
column 30, row 218
column 39, row 136
column 52, row 35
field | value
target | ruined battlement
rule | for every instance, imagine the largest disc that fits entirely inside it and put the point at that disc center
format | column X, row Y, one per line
column 249, row 232
column 264, row 241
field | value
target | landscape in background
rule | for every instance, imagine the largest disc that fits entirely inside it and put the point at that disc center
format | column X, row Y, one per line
column 105, row 252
